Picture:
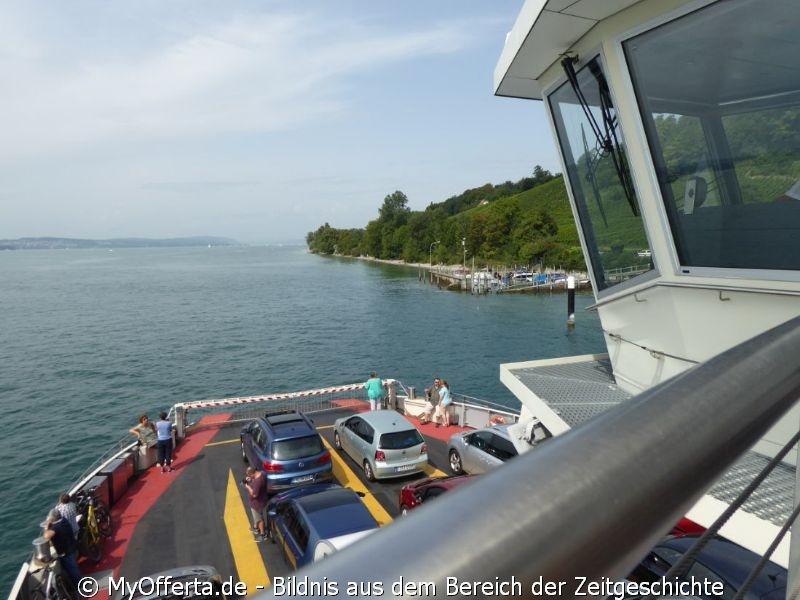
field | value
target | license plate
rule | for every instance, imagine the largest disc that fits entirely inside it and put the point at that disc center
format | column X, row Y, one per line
column 303, row 479
column 404, row 468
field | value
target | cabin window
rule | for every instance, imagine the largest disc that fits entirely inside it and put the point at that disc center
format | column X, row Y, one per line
column 597, row 169
column 724, row 131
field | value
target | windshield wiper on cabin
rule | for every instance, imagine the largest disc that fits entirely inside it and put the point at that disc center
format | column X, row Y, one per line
column 607, row 142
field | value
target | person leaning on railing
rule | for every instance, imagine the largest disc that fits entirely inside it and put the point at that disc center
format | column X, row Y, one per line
column 145, row 432
column 59, row 533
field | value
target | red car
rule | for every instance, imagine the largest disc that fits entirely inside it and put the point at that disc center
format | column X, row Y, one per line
column 686, row 527
column 425, row 490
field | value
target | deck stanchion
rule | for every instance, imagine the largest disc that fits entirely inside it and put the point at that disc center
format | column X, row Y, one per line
column 180, row 422
column 392, row 396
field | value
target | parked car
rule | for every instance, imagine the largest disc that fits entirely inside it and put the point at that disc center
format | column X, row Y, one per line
column 687, row 527
column 287, row 447
column 720, row 560
column 479, row 451
column 314, row 521
column 425, row 490
column 383, row 442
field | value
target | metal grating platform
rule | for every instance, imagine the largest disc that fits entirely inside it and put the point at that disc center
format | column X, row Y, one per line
column 575, row 391
column 579, row 391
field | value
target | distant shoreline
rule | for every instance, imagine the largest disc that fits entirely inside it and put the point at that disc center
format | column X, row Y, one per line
column 58, row 243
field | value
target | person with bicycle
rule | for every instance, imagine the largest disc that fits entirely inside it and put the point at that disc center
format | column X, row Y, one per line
column 164, row 434
column 59, row 533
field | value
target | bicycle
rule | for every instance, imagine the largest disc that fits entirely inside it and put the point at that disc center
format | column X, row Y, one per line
column 87, row 501
column 94, row 524
column 52, row 585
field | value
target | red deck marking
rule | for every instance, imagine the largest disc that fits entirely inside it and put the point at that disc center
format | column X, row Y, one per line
column 143, row 493
column 441, row 433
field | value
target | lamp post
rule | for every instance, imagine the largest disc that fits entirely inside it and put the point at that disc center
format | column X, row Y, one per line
column 464, row 247
column 430, row 260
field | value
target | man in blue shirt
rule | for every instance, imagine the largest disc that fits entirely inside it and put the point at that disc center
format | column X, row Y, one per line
column 164, row 433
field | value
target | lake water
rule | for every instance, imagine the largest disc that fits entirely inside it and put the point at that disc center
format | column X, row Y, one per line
column 92, row 338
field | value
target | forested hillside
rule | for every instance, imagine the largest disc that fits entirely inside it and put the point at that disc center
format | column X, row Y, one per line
column 527, row 222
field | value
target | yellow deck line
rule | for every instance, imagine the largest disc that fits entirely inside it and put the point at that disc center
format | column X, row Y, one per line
column 246, row 555
column 345, row 476
column 432, row 471
column 235, row 441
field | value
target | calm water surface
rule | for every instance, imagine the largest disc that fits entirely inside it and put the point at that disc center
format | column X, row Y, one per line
column 91, row 339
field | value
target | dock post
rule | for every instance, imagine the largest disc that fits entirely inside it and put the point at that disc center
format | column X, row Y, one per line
column 571, row 301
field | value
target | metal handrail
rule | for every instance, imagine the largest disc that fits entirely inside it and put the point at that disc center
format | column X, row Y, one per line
column 590, row 503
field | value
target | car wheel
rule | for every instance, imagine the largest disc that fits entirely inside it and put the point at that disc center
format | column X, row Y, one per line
column 455, row 462
column 368, row 473
column 403, row 510
column 336, row 441
column 244, row 456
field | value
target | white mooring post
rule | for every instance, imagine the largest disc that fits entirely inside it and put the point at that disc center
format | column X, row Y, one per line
column 571, row 301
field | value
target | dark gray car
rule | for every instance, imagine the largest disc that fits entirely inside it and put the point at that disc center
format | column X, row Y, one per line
column 479, row 451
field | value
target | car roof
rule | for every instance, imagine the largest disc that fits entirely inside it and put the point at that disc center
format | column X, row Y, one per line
column 386, row 420
column 336, row 512
column 288, row 425
column 733, row 562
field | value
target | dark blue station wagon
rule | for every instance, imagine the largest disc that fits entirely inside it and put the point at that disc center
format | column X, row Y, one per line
column 288, row 449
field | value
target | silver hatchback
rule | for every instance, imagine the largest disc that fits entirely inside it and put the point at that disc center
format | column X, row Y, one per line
column 479, row 451
column 383, row 442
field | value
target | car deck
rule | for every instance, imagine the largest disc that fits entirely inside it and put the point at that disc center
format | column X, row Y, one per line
column 199, row 514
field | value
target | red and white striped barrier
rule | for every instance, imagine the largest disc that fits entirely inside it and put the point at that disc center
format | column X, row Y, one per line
column 285, row 396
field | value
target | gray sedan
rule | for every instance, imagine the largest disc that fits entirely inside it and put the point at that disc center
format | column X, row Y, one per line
column 383, row 442
column 478, row 451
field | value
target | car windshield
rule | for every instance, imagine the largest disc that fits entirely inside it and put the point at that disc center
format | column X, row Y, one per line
column 297, row 448
column 397, row 440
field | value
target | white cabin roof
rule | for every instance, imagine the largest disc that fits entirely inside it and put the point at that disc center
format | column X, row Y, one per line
column 543, row 31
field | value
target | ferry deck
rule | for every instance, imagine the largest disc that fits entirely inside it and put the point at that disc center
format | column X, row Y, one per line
column 199, row 515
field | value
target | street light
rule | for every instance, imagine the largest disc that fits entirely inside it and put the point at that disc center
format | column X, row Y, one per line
column 430, row 260
column 464, row 246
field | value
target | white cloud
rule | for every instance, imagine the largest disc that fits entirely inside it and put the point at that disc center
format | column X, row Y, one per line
column 252, row 73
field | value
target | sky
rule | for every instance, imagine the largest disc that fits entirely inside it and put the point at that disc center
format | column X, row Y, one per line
column 257, row 120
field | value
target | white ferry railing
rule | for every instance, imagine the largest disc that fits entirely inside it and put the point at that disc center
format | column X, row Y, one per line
column 589, row 504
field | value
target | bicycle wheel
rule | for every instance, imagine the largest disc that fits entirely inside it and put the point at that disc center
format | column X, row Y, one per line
column 64, row 590
column 104, row 523
column 94, row 551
